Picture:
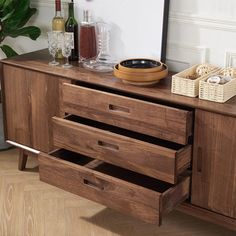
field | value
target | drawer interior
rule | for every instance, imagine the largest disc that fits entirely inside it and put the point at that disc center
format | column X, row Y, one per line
column 72, row 157
column 124, row 132
column 114, row 171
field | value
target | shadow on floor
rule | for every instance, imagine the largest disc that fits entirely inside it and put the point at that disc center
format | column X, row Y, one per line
column 32, row 169
column 175, row 224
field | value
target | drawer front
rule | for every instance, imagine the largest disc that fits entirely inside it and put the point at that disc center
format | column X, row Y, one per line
column 160, row 121
column 149, row 159
column 126, row 197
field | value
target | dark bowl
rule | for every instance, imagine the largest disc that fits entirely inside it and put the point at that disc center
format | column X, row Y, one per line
column 140, row 65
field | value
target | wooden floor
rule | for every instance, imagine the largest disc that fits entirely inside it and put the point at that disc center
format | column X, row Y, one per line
column 30, row 207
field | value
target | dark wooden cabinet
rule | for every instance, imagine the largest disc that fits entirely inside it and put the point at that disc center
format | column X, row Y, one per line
column 214, row 163
column 30, row 100
column 127, row 147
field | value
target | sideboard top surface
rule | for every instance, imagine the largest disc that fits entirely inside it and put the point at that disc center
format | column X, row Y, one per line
column 38, row 61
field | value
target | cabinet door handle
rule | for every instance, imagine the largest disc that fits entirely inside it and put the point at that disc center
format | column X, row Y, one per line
column 199, row 159
column 120, row 109
column 106, row 145
column 93, row 185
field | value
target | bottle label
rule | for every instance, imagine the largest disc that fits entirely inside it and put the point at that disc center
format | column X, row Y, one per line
column 71, row 36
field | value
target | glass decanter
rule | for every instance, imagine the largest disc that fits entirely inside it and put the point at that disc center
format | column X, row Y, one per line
column 103, row 62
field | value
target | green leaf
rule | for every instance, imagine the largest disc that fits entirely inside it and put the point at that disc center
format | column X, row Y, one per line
column 7, row 9
column 32, row 32
column 21, row 9
column 9, row 52
column 3, row 2
column 14, row 14
column 30, row 12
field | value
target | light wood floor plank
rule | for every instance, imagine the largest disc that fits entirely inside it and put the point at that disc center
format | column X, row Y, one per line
column 29, row 207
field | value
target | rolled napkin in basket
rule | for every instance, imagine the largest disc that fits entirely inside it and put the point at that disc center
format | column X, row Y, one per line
column 219, row 79
column 204, row 69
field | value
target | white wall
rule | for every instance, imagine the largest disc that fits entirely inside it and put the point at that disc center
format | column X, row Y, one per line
column 136, row 29
column 202, row 30
column 199, row 31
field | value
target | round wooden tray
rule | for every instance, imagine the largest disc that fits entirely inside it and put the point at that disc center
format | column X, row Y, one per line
column 139, row 78
column 140, row 83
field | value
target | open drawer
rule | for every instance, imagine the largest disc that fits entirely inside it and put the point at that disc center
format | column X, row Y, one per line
column 137, row 152
column 128, row 192
column 160, row 121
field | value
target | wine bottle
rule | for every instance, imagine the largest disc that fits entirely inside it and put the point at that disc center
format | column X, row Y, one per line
column 72, row 26
column 58, row 23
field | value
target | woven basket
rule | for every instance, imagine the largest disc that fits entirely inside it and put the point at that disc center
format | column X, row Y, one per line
column 218, row 92
column 188, row 87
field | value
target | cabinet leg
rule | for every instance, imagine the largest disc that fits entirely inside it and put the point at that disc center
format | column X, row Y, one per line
column 22, row 159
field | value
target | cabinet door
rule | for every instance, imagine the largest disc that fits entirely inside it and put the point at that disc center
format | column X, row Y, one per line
column 31, row 99
column 214, row 163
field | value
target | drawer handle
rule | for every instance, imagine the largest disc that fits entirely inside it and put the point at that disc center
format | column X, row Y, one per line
column 108, row 145
column 119, row 109
column 199, row 159
column 93, row 185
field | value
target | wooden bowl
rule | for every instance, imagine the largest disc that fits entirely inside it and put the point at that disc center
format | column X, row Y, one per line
column 140, row 65
column 141, row 77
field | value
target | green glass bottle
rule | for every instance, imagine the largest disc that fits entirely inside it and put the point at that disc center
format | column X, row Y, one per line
column 71, row 25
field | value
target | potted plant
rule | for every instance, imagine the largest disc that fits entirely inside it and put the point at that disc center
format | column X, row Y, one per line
column 14, row 14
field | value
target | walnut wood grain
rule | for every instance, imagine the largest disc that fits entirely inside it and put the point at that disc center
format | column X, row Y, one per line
column 173, row 195
column 3, row 100
column 23, row 156
column 160, row 121
column 61, row 108
column 208, row 215
column 214, row 163
column 30, row 100
column 184, row 158
column 115, row 193
column 150, row 159
column 17, row 105
column 38, row 61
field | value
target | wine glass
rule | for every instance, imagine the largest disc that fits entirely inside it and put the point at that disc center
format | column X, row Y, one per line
column 67, row 45
column 53, row 46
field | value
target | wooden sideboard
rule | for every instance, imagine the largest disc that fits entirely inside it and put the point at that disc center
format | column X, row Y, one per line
column 139, row 150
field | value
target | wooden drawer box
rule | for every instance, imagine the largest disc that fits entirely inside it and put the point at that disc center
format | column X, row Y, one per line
column 156, row 120
column 128, row 192
column 140, row 153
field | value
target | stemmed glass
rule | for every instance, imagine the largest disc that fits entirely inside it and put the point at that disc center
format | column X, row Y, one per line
column 67, row 45
column 53, row 46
